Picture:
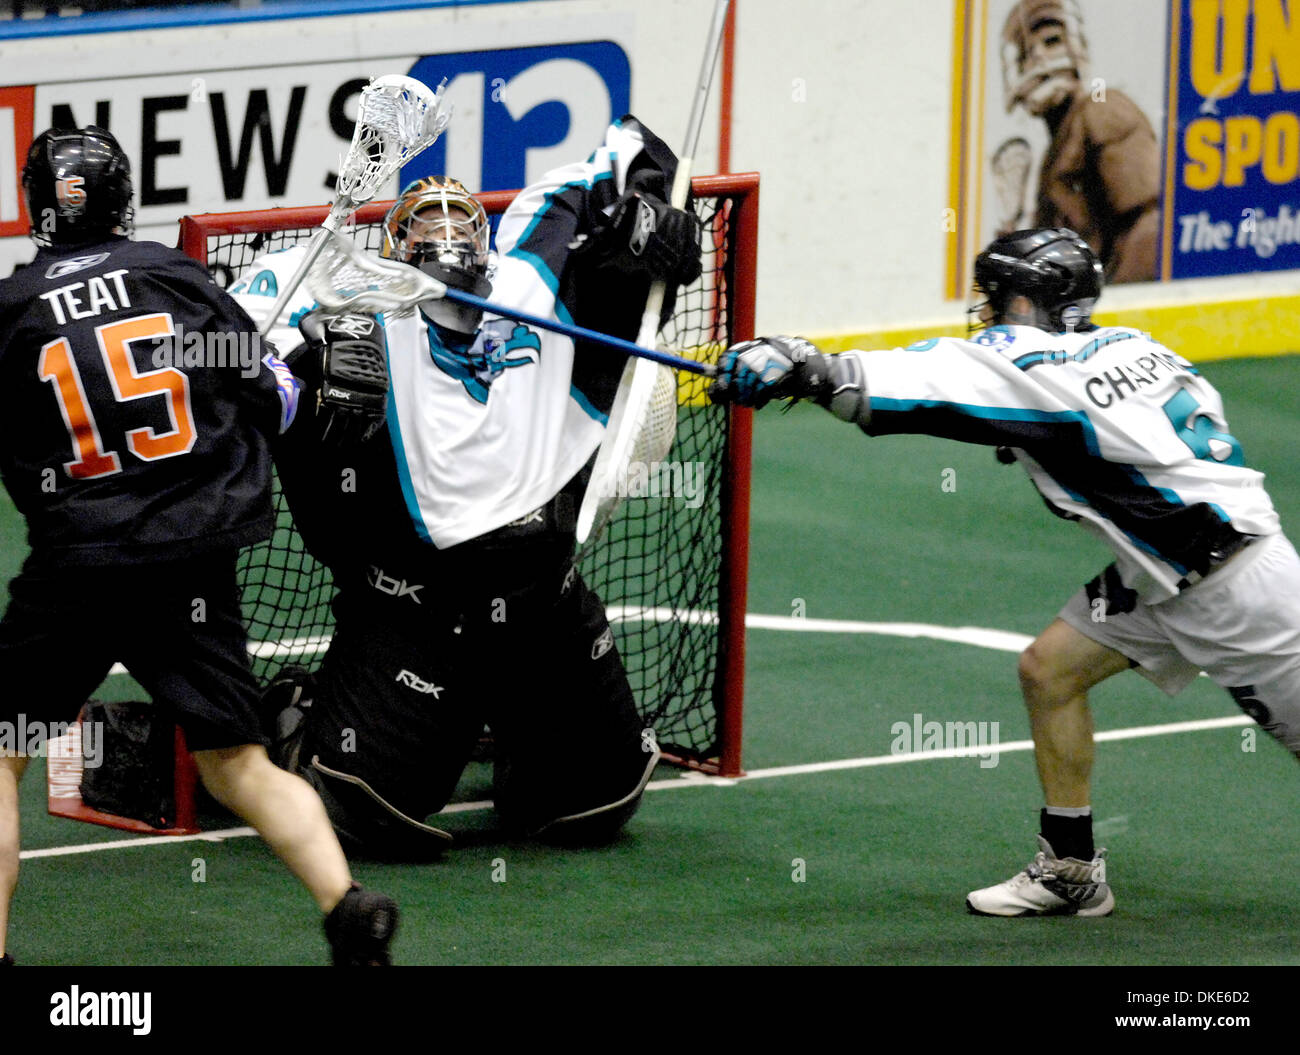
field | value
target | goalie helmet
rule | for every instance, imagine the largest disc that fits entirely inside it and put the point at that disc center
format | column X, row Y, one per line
column 78, row 186
column 439, row 227
column 1053, row 268
column 1044, row 54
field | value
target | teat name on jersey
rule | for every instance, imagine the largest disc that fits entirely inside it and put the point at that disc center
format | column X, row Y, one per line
column 85, row 300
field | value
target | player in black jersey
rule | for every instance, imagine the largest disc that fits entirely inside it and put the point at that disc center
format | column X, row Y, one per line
column 138, row 410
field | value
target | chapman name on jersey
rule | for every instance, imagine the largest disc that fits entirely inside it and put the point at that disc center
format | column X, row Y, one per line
column 485, row 437
column 1115, row 431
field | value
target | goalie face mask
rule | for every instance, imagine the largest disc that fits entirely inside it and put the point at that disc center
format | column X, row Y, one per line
column 439, row 227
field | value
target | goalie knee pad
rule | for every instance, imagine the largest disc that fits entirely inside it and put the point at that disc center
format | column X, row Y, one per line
column 368, row 824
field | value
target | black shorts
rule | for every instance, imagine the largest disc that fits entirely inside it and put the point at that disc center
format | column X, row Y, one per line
column 176, row 626
column 403, row 696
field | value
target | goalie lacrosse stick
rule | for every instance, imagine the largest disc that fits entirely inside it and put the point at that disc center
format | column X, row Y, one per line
column 343, row 279
column 641, row 424
column 398, row 117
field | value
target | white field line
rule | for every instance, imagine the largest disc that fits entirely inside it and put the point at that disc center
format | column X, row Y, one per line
column 692, row 779
column 1002, row 640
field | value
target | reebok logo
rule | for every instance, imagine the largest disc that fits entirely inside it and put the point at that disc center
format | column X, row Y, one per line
column 393, row 587
column 603, row 644
column 414, row 681
column 643, row 227
column 77, row 263
column 352, row 325
column 535, row 517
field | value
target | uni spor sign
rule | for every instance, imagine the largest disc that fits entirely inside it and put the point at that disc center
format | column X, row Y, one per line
column 1234, row 157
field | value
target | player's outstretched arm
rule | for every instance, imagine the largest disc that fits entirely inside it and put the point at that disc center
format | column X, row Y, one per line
column 753, row 373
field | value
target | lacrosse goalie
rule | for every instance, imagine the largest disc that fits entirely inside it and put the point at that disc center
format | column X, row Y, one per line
column 443, row 501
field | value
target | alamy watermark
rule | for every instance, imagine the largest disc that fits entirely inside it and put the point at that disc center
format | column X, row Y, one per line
column 955, row 739
column 52, row 740
column 210, row 348
column 683, row 480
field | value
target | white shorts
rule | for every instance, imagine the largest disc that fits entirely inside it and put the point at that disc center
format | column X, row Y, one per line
column 1240, row 624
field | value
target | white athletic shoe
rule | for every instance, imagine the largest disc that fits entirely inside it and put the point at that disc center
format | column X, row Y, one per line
column 1049, row 887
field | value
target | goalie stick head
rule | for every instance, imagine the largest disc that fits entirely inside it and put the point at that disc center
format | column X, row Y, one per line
column 439, row 227
column 1055, row 272
column 78, row 186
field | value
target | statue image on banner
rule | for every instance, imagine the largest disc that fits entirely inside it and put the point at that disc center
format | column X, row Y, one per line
column 1100, row 172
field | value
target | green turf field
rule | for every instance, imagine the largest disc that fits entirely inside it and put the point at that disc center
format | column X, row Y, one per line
column 865, row 865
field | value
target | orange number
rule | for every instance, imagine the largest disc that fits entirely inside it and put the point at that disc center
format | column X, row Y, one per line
column 128, row 384
column 57, row 365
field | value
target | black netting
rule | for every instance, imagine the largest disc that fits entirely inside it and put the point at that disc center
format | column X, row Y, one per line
column 657, row 566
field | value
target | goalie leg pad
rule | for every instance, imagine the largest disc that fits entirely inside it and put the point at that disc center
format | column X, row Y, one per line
column 575, row 768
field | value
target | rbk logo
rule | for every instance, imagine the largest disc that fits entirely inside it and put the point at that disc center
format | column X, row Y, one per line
column 393, row 587
column 414, row 681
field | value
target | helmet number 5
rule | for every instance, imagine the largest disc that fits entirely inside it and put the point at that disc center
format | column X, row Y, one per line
column 58, row 366
column 1196, row 430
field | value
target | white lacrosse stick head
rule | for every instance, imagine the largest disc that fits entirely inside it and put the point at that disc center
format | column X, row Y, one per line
column 397, row 118
column 344, row 278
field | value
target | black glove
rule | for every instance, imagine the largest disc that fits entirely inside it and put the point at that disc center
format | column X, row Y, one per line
column 343, row 357
column 645, row 236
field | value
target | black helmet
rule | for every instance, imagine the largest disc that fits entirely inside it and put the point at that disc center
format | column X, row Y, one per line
column 1052, row 266
column 78, row 186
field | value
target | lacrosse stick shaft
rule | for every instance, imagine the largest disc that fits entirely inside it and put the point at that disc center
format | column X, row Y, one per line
column 317, row 243
column 637, row 386
column 682, row 180
column 582, row 333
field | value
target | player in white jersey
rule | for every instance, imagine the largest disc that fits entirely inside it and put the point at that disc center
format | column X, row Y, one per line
column 1125, row 437
column 453, row 542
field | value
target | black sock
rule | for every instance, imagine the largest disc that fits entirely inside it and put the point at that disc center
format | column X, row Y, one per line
column 1069, row 836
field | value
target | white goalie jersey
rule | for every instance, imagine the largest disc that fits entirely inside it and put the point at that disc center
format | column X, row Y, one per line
column 484, row 436
column 1115, row 430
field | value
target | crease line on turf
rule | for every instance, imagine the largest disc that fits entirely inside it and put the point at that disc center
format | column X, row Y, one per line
column 695, row 780
column 981, row 637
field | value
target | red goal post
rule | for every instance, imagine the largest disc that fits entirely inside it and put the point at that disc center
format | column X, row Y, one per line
column 673, row 579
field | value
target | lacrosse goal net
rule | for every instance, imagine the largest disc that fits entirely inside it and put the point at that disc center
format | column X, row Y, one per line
column 671, row 565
